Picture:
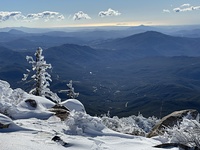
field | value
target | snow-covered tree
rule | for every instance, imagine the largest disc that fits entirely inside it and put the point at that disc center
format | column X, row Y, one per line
column 81, row 123
column 187, row 132
column 41, row 76
column 70, row 91
column 135, row 125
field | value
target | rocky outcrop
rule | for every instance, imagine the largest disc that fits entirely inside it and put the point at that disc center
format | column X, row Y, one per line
column 171, row 120
column 60, row 111
column 171, row 145
column 3, row 126
column 58, row 140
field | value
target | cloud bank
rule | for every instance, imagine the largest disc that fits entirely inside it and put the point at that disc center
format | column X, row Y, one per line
column 16, row 15
column 109, row 12
column 186, row 7
column 81, row 15
column 5, row 15
column 46, row 15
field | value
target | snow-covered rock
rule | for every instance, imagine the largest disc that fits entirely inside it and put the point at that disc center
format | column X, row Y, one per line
column 5, row 121
column 7, row 124
column 42, row 103
column 171, row 120
column 9, row 98
column 16, row 103
column 25, row 108
column 73, row 104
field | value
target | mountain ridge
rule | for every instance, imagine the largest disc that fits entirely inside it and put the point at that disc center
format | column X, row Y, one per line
column 155, row 43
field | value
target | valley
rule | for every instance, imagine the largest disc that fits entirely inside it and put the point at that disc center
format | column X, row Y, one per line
column 149, row 72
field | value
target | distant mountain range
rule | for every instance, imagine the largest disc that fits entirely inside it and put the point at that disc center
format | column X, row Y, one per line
column 18, row 40
column 15, row 37
column 152, row 43
column 151, row 72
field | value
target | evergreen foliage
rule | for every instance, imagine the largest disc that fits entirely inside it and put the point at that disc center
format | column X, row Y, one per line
column 70, row 92
column 41, row 77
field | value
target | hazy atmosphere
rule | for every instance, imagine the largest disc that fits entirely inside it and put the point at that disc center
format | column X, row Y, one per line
column 68, row 13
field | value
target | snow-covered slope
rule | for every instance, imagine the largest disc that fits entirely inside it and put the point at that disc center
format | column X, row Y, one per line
column 45, row 130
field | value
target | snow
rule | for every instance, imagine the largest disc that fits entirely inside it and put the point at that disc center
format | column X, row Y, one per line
column 42, row 103
column 33, row 127
column 135, row 125
column 73, row 104
column 5, row 120
column 44, row 130
column 34, row 134
column 24, row 110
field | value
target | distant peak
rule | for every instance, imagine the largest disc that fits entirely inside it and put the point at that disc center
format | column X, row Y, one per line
column 15, row 31
column 153, row 33
column 142, row 25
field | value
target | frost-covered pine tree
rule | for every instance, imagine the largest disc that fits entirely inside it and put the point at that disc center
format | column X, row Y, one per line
column 41, row 76
column 70, row 91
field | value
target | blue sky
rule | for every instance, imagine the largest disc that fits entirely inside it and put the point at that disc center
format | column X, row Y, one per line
column 70, row 13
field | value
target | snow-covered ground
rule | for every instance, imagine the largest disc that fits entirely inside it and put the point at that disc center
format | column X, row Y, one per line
column 35, row 128
column 42, row 131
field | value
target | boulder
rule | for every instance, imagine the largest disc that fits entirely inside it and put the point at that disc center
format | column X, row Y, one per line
column 31, row 102
column 60, row 111
column 171, row 120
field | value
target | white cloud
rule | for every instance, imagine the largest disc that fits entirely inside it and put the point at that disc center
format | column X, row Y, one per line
column 196, row 7
column 80, row 15
column 17, row 15
column 61, row 17
column 109, row 12
column 166, row 11
column 46, row 15
column 177, row 9
column 5, row 15
column 186, row 7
